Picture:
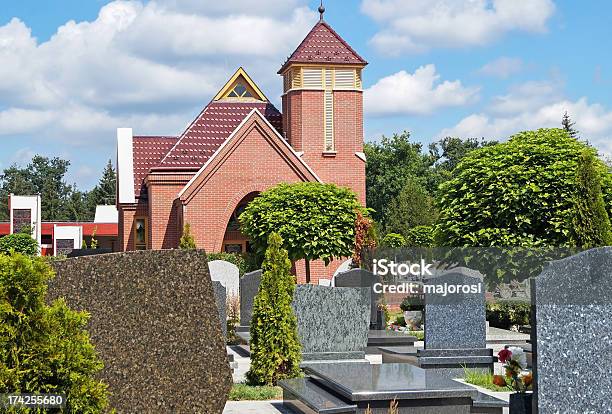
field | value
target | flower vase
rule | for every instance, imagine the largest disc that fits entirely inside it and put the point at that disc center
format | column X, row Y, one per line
column 520, row 403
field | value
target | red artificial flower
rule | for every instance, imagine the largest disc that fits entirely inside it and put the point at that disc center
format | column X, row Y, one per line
column 504, row 355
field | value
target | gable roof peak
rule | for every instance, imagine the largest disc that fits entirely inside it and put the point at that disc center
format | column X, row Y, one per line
column 323, row 45
column 240, row 86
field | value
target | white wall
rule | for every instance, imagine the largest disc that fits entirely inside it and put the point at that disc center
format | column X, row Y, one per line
column 33, row 204
column 125, row 166
column 74, row 233
column 106, row 214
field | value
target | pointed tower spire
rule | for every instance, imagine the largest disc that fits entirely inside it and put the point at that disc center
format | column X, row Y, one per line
column 321, row 11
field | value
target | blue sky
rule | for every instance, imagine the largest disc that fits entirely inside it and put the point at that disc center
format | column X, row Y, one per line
column 73, row 71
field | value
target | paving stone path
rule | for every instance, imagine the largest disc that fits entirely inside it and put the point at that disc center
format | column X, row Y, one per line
column 255, row 407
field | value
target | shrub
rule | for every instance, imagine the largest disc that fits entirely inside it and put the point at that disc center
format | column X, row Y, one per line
column 393, row 240
column 516, row 193
column 234, row 258
column 315, row 221
column 275, row 348
column 244, row 392
column 45, row 349
column 412, row 303
column 20, row 243
column 420, row 236
column 591, row 224
column 187, row 241
column 506, row 313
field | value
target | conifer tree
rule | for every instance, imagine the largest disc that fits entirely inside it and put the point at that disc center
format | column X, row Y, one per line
column 591, row 224
column 275, row 347
column 187, row 241
column 568, row 125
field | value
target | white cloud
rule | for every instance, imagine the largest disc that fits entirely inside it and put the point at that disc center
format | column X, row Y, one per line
column 150, row 66
column 502, row 68
column 593, row 120
column 417, row 25
column 418, row 93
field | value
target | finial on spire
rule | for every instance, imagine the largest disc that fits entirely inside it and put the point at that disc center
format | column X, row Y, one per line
column 321, row 10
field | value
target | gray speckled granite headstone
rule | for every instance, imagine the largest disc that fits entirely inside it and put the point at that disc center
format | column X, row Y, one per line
column 363, row 279
column 220, row 298
column 333, row 322
column 573, row 334
column 249, row 286
column 455, row 321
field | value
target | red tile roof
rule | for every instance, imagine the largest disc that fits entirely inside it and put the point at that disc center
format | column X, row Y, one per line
column 324, row 45
column 210, row 130
column 148, row 152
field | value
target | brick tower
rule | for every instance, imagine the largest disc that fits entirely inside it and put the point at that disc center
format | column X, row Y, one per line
column 323, row 107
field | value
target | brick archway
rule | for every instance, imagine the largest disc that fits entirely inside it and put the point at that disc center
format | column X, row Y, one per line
column 234, row 240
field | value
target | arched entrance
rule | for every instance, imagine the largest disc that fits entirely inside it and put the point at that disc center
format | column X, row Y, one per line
column 233, row 239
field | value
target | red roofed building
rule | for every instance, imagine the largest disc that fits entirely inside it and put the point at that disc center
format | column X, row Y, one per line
column 241, row 145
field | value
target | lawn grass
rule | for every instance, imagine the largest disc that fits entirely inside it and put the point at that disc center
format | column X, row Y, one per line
column 482, row 379
column 244, row 392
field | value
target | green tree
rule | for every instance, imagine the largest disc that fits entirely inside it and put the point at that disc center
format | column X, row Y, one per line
column 517, row 193
column 45, row 349
column 389, row 165
column 187, row 241
column 275, row 347
column 42, row 176
column 569, row 125
column 412, row 207
column 591, row 224
column 449, row 151
column 315, row 221
column 104, row 192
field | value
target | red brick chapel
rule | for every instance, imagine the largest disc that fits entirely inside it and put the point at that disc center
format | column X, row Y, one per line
column 241, row 145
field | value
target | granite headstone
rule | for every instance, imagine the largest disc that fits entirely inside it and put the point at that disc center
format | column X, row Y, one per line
column 227, row 273
column 332, row 321
column 155, row 326
column 362, row 278
column 249, row 286
column 572, row 339
column 455, row 324
column 220, row 300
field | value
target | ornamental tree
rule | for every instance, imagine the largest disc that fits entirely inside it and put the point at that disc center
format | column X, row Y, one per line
column 315, row 221
column 45, row 348
column 516, row 193
column 591, row 224
column 275, row 347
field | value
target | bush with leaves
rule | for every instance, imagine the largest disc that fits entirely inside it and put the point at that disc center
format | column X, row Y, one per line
column 413, row 206
column 275, row 347
column 420, row 236
column 234, row 258
column 591, row 224
column 393, row 240
column 20, row 243
column 187, row 241
column 517, row 193
column 45, row 349
column 506, row 313
column 315, row 221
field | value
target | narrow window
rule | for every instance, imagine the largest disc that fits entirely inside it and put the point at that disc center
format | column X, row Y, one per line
column 140, row 233
column 329, row 120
